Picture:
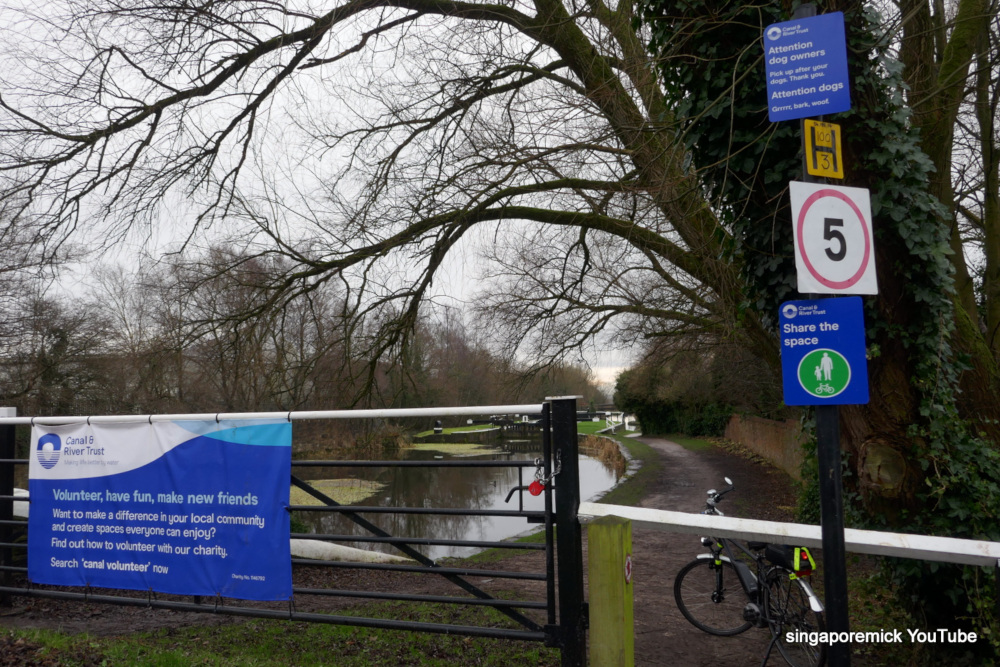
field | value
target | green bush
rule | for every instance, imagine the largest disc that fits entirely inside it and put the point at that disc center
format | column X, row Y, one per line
column 696, row 419
column 695, row 391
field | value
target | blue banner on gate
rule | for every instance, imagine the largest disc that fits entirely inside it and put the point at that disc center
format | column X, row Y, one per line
column 189, row 508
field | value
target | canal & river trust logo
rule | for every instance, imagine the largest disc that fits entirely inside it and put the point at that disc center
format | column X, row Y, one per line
column 49, row 450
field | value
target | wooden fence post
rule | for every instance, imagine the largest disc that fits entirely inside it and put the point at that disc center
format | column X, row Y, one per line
column 612, row 632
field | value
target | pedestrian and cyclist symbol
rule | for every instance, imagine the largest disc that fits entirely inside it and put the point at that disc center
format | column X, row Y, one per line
column 824, row 373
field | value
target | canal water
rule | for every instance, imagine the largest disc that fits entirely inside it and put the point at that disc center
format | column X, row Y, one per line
column 480, row 488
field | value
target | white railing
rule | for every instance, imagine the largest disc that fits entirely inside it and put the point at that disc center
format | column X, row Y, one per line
column 900, row 545
column 398, row 413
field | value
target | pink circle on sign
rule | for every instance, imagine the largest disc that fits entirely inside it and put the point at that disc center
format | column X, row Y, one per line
column 800, row 223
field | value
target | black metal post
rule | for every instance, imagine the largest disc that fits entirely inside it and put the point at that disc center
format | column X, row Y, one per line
column 550, row 529
column 832, row 518
column 7, row 447
column 996, row 580
column 569, row 541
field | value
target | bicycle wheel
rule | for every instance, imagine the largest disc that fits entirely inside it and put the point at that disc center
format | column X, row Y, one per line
column 794, row 621
column 711, row 597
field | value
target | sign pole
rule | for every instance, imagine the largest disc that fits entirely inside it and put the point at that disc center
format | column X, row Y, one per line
column 831, row 500
column 832, row 519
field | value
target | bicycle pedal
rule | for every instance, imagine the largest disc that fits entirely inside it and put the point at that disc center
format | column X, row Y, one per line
column 752, row 614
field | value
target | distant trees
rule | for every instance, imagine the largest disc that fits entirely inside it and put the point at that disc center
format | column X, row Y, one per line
column 178, row 338
column 244, row 352
column 40, row 341
column 681, row 387
column 49, row 369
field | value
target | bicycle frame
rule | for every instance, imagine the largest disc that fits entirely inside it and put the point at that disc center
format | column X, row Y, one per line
column 748, row 578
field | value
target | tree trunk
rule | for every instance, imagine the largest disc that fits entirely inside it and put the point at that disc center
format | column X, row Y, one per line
column 937, row 75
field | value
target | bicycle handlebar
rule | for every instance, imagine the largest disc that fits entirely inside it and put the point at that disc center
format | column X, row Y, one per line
column 715, row 496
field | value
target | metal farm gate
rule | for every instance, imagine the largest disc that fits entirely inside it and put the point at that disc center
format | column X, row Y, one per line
column 558, row 619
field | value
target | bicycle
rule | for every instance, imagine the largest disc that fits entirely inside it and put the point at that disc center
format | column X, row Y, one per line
column 720, row 594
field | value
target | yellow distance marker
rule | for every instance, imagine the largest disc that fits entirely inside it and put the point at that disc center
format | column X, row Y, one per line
column 823, row 157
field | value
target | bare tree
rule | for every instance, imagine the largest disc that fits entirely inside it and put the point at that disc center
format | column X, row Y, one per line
column 54, row 366
column 28, row 335
column 975, row 167
column 242, row 355
column 414, row 124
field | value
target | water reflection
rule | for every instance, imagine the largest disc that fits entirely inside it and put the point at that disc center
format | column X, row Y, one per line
column 478, row 488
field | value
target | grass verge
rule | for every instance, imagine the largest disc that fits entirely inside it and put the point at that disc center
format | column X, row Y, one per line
column 589, row 428
column 266, row 642
column 635, row 487
column 457, row 429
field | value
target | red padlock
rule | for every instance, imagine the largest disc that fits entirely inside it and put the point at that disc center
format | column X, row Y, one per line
column 536, row 488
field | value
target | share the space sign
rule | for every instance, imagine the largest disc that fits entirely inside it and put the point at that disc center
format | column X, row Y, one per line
column 823, row 352
column 184, row 507
column 834, row 243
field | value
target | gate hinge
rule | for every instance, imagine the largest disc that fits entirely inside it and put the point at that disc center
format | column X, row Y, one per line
column 553, row 636
column 556, row 635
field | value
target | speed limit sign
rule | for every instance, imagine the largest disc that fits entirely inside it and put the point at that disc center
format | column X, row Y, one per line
column 834, row 251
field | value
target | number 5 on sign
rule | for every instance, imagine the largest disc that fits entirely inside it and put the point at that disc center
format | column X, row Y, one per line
column 832, row 228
